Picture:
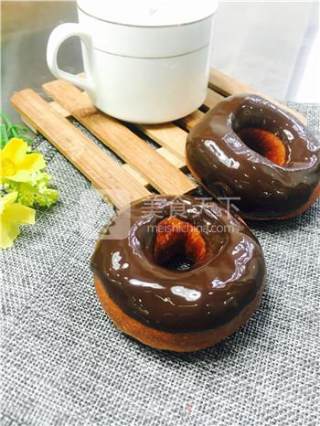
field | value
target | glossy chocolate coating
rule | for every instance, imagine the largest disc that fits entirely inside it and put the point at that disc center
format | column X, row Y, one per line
column 227, row 167
column 208, row 295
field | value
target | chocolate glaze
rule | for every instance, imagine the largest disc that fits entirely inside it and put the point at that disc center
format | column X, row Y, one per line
column 201, row 298
column 227, row 167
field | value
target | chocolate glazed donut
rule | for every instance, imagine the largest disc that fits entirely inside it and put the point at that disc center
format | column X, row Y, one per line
column 250, row 149
column 180, row 279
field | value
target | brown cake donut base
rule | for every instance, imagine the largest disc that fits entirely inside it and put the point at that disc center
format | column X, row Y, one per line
column 177, row 342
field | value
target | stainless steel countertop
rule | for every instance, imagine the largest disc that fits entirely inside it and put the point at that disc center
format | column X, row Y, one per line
column 265, row 44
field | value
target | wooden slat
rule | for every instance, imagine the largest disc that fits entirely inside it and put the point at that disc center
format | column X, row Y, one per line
column 191, row 120
column 105, row 174
column 138, row 176
column 25, row 120
column 175, row 161
column 58, row 108
column 133, row 172
column 159, row 172
column 163, row 134
column 226, row 85
column 168, row 136
column 213, row 98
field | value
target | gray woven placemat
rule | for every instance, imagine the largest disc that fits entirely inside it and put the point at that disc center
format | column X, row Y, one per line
column 63, row 362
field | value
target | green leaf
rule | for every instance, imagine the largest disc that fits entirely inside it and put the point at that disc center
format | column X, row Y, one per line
column 4, row 136
column 9, row 130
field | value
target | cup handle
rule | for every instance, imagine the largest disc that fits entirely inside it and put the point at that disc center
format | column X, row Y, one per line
column 57, row 37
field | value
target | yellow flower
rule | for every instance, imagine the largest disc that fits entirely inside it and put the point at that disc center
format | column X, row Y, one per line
column 16, row 164
column 12, row 215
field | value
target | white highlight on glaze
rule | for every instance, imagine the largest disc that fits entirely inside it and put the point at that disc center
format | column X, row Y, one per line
column 115, row 260
column 289, row 135
column 216, row 283
column 140, row 283
column 229, row 162
column 190, row 295
column 243, row 253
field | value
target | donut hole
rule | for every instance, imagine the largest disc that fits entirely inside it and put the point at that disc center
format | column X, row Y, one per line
column 264, row 143
column 178, row 245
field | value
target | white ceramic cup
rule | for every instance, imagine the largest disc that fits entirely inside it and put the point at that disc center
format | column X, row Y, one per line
column 146, row 61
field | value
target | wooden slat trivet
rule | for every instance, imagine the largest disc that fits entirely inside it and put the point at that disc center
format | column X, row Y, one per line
column 104, row 173
column 144, row 166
